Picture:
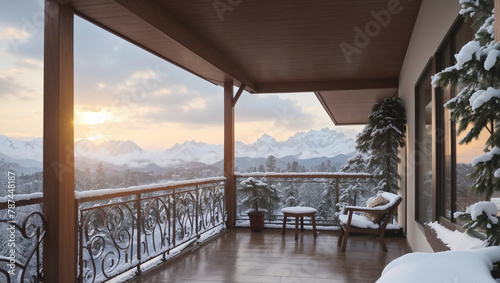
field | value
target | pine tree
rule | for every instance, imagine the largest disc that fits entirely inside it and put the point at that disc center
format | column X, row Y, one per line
column 357, row 188
column 261, row 168
column 86, row 179
column 477, row 105
column 271, row 163
column 129, row 178
column 327, row 204
column 291, row 196
column 258, row 195
column 381, row 138
column 100, row 182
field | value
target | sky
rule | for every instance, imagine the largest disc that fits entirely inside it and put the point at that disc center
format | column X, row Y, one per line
column 124, row 93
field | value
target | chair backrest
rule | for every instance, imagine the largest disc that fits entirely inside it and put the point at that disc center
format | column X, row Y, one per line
column 394, row 201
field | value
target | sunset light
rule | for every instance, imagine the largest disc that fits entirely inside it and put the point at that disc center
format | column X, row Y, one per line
column 93, row 118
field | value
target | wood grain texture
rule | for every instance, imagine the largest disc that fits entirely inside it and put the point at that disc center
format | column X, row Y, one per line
column 59, row 255
column 270, row 46
column 230, row 192
column 239, row 255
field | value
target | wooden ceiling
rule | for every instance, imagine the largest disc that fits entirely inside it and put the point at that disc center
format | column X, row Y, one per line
column 349, row 52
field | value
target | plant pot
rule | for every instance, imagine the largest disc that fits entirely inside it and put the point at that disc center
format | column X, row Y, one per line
column 256, row 221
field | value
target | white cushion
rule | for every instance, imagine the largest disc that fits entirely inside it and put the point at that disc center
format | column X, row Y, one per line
column 298, row 210
column 359, row 221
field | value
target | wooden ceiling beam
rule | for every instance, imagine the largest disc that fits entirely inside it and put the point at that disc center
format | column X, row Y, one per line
column 326, row 85
column 158, row 18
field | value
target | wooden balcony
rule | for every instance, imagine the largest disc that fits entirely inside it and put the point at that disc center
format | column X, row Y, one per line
column 238, row 255
column 118, row 240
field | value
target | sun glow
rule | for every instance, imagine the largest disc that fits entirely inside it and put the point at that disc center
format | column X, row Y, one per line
column 93, row 118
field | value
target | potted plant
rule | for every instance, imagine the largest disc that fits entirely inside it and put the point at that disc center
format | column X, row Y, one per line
column 259, row 198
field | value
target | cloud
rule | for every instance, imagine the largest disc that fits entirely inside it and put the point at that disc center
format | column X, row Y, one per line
column 13, row 33
column 10, row 87
column 286, row 112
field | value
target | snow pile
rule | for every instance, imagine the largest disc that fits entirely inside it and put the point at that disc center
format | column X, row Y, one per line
column 468, row 51
column 299, row 210
column 250, row 182
column 486, row 156
column 455, row 240
column 481, row 97
column 477, row 209
column 449, row 266
column 359, row 221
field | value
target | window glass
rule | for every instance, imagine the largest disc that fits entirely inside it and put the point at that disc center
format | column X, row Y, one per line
column 424, row 146
column 465, row 153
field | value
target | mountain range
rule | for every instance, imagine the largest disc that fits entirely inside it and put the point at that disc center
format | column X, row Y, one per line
column 312, row 145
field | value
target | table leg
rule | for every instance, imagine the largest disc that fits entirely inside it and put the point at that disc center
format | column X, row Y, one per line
column 284, row 225
column 296, row 228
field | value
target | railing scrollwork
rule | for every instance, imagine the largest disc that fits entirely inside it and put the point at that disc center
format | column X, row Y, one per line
column 122, row 235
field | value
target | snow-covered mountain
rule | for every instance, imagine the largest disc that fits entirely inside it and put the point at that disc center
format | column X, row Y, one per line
column 111, row 148
column 303, row 145
column 30, row 150
column 195, row 151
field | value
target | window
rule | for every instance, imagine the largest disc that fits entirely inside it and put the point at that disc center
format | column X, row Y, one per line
column 423, row 156
column 452, row 185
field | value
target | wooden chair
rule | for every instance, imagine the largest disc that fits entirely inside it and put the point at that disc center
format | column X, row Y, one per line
column 353, row 222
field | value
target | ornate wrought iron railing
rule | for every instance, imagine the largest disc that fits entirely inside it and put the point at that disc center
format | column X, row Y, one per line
column 121, row 231
column 319, row 190
column 22, row 230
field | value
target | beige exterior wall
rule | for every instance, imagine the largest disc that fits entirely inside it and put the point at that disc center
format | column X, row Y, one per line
column 434, row 20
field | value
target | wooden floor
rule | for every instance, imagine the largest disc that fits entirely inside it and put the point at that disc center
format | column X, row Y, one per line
column 239, row 255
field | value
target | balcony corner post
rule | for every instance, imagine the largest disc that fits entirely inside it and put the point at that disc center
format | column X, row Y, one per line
column 230, row 189
column 60, row 251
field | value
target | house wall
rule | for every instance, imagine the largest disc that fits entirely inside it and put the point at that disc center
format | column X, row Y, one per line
column 433, row 22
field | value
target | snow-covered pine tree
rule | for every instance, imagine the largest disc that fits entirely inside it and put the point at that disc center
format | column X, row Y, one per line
column 271, row 163
column 357, row 188
column 382, row 138
column 327, row 204
column 291, row 196
column 100, row 179
column 477, row 106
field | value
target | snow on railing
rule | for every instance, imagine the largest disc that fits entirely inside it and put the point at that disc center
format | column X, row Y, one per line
column 21, row 197
column 123, row 229
column 146, row 188
column 305, row 175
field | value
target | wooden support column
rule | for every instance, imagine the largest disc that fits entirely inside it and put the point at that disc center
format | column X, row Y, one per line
column 59, row 250
column 497, row 20
column 230, row 192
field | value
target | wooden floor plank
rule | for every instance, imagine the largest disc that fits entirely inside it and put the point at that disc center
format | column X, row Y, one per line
column 238, row 255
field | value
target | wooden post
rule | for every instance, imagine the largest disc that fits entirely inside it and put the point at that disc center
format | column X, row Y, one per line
column 497, row 20
column 230, row 190
column 59, row 250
